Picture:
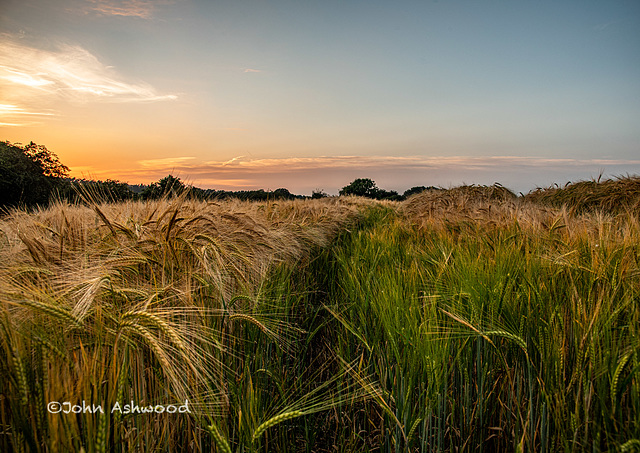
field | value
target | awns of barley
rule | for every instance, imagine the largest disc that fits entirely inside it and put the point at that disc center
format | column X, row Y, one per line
column 152, row 341
column 100, row 265
column 254, row 321
column 274, row 421
column 510, row 336
column 151, row 320
column 51, row 310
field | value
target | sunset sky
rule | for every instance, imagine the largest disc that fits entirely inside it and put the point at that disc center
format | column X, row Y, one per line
column 312, row 94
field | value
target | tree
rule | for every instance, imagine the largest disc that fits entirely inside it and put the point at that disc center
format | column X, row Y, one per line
column 414, row 190
column 362, row 187
column 76, row 190
column 28, row 174
column 382, row 194
column 167, row 186
column 319, row 193
column 47, row 160
column 283, row 194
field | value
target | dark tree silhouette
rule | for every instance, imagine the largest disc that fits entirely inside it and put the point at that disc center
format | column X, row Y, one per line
column 167, row 186
column 319, row 193
column 283, row 194
column 47, row 160
column 363, row 187
column 28, row 174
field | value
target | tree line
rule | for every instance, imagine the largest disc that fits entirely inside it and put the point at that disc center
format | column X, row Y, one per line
column 32, row 175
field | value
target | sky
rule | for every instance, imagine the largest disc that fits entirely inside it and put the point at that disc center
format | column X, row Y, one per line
column 310, row 95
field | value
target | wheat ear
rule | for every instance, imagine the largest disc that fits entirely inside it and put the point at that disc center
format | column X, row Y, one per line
column 222, row 443
column 274, row 421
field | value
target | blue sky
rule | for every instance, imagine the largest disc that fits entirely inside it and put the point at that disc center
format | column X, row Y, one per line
column 311, row 95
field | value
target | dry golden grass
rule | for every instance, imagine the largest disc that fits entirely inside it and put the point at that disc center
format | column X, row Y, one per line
column 139, row 300
column 231, row 243
column 473, row 206
column 618, row 195
column 470, row 209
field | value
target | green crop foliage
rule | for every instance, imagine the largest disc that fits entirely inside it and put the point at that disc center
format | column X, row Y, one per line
column 459, row 320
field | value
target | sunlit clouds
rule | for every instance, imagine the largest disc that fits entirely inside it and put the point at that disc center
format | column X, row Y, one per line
column 231, row 161
column 166, row 162
column 30, row 80
column 33, row 79
column 303, row 95
column 133, row 8
column 12, row 115
column 330, row 173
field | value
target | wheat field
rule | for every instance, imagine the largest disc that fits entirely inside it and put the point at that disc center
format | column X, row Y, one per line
column 461, row 320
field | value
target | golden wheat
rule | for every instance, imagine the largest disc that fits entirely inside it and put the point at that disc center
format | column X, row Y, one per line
column 130, row 300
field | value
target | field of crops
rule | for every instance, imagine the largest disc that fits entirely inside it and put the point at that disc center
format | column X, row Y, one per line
column 460, row 320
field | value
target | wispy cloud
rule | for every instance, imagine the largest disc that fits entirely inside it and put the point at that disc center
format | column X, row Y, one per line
column 15, row 116
column 304, row 174
column 321, row 162
column 21, row 78
column 8, row 109
column 164, row 163
column 31, row 78
column 252, row 70
column 132, row 8
column 332, row 163
column 230, row 161
column 604, row 25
